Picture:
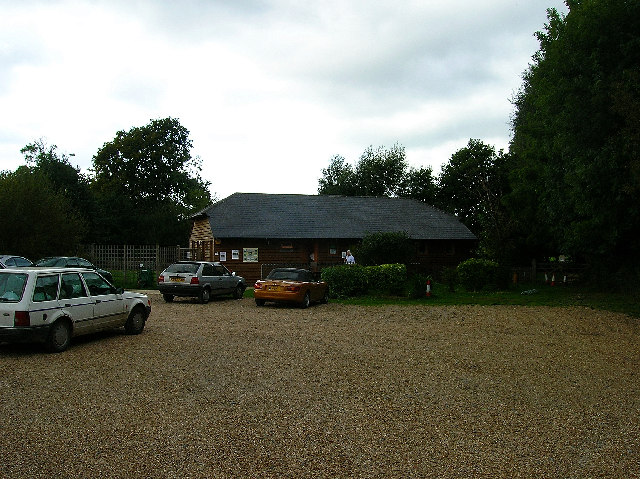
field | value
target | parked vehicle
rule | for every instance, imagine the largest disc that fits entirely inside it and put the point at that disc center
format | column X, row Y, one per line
column 199, row 279
column 72, row 262
column 52, row 305
column 13, row 261
column 290, row 285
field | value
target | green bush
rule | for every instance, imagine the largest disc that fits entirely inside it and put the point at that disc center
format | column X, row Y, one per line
column 389, row 278
column 476, row 274
column 346, row 281
column 356, row 280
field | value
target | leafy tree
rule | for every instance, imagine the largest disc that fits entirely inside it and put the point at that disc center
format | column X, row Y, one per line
column 41, row 218
column 63, row 177
column 338, row 178
column 147, row 183
column 576, row 134
column 471, row 186
column 385, row 248
column 419, row 184
column 378, row 172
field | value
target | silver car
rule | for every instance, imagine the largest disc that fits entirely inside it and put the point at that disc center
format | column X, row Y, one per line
column 13, row 261
column 199, row 279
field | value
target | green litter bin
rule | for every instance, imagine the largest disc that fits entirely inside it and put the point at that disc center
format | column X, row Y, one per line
column 145, row 278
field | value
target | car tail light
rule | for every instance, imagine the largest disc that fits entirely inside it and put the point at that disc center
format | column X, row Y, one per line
column 195, row 280
column 161, row 279
column 21, row 318
column 258, row 285
column 292, row 289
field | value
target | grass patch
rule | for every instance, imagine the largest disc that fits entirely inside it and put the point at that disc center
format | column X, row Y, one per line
column 527, row 295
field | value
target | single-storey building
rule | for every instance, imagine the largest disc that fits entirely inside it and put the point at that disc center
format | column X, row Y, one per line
column 253, row 232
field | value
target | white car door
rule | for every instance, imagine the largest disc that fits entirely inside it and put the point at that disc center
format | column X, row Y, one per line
column 75, row 302
column 45, row 298
column 109, row 308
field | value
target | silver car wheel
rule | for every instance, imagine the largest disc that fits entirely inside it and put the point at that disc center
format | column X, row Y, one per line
column 59, row 337
column 205, row 294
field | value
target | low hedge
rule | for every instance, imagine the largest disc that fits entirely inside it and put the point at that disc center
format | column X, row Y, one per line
column 356, row 280
column 346, row 281
column 477, row 274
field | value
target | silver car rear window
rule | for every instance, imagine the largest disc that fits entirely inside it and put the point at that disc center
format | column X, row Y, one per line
column 191, row 268
column 12, row 286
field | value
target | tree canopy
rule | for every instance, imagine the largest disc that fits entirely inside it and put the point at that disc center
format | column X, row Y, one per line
column 39, row 219
column 149, row 174
column 378, row 172
column 471, row 186
column 575, row 167
column 144, row 186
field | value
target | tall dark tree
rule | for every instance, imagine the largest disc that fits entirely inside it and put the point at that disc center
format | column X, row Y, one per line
column 576, row 134
column 63, row 177
column 471, row 186
column 147, row 183
column 38, row 219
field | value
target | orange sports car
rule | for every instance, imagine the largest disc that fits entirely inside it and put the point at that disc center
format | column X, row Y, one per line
column 290, row 285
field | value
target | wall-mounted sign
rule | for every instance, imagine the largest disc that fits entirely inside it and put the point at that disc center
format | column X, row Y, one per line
column 250, row 255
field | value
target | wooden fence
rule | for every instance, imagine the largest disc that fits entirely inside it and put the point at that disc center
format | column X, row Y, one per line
column 133, row 258
column 563, row 272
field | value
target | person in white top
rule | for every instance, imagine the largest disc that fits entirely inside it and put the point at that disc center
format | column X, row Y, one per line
column 349, row 259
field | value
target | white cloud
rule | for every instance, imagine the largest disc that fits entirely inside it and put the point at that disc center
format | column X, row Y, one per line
column 270, row 90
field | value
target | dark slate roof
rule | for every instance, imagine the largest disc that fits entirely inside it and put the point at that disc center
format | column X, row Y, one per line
column 260, row 215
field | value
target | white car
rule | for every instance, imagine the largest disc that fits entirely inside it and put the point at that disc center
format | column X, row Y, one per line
column 51, row 305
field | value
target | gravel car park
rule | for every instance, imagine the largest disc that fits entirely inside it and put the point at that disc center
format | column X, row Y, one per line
column 339, row 391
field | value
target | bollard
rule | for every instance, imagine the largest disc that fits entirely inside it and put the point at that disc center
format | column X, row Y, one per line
column 428, row 288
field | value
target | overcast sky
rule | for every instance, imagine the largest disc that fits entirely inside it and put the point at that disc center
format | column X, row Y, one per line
column 270, row 90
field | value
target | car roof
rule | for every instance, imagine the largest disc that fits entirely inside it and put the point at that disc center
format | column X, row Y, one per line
column 59, row 257
column 3, row 256
column 198, row 262
column 47, row 269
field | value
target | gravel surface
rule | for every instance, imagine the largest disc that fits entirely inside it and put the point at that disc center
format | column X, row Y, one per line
column 231, row 390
